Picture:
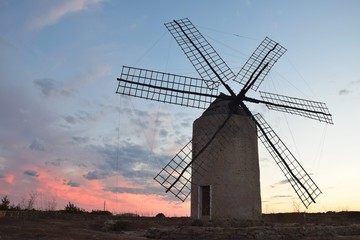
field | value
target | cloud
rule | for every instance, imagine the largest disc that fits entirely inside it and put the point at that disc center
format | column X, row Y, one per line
column 141, row 113
column 181, row 139
column 80, row 139
column 140, row 190
column 31, row 173
column 94, row 175
column 84, row 116
column 78, row 117
column 344, row 92
column 73, row 184
column 57, row 162
column 187, row 122
column 70, row 119
column 9, row 179
column 37, row 145
column 132, row 161
column 163, row 133
column 46, row 85
column 55, row 14
column 49, row 86
column 285, row 181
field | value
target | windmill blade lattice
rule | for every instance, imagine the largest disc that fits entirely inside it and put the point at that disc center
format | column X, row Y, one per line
column 268, row 52
column 299, row 179
column 302, row 107
column 165, row 87
column 179, row 168
column 201, row 54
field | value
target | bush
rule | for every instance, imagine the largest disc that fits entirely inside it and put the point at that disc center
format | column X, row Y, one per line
column 128, row 215
column 100, row 212
column 72, row 208
column 160, row 215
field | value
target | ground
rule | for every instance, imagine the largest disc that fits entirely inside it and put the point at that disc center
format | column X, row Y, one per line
column 59, row 225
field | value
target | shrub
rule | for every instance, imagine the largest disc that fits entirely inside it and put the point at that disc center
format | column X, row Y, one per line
column 160, row 215
column 128, row 215
column 72, row 208
column 100, row 212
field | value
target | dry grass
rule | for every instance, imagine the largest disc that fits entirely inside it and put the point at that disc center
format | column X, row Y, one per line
column 55, row 225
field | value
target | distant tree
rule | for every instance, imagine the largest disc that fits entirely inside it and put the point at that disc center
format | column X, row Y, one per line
column 28, row 204
column 50, row 205
column 5, row 203
column 31, row 201
column 22, row 203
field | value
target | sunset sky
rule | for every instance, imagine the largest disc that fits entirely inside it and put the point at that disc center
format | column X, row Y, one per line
column 66, row 135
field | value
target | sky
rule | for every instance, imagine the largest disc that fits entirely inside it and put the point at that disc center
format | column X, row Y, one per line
column 66, row 135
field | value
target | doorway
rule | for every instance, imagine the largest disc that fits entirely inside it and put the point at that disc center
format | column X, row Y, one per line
column 205, row 203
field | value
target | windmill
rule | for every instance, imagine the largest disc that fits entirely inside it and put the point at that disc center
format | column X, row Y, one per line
column 219, row 166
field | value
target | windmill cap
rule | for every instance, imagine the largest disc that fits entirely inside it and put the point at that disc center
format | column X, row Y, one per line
column 221, row 106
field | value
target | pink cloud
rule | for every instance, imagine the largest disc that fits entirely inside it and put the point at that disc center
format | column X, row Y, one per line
column 9, row 179
column 50, row 183
column 54, row 14
column 91, row 195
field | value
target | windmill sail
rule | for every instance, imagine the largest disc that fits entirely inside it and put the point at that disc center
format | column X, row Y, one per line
column 201, row 54
column 268, row 52
column 302, row 107
column 299, row 179
column 178, row 170
column 165, row 87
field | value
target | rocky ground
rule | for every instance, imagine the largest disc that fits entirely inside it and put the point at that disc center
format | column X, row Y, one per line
column 40, row 225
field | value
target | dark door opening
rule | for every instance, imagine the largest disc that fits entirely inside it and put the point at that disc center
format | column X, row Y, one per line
column 205, row 200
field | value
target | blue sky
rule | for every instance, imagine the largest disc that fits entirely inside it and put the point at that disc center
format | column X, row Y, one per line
column 65, row 134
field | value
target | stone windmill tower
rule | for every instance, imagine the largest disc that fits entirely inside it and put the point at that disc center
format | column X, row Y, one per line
column 219, row 167
column 225, row 176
